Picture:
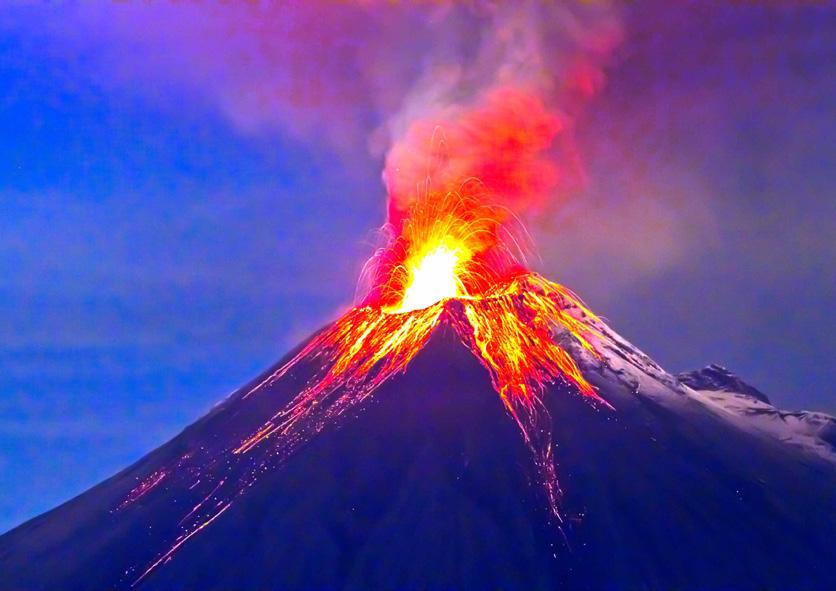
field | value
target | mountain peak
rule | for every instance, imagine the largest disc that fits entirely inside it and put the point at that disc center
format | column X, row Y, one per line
column 717, row 378
column 428, row 484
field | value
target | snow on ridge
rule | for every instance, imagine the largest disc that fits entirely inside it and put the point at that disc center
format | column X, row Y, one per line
column 717, row 378
column 715, row 388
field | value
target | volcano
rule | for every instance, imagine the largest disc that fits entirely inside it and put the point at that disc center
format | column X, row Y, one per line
column 398, row 466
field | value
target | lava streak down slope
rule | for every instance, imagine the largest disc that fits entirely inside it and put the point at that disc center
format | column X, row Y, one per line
column 428, row 484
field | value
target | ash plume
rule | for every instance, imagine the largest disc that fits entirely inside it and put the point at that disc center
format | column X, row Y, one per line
column 376, row 74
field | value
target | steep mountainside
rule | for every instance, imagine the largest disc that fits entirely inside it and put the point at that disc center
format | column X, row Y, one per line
column 691, row 482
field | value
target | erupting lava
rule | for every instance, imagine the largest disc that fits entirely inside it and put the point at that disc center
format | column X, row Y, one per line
column 455, row 256
column 432, row 279
column 453, row 259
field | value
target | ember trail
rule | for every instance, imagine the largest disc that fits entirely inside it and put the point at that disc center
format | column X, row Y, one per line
column 452, row 257
column 450, row 247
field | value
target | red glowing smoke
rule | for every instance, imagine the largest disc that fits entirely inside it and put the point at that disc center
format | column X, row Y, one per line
column 477, row 97
column 488, row 139
column 344, row 72
column 503, row 142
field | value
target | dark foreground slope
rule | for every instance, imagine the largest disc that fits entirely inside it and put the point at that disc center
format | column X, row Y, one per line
column 430, row 486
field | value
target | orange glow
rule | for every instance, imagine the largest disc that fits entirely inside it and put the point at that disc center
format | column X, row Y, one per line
column 510, row 330
column 447, row 245
column 454, row 256
column 431, row 279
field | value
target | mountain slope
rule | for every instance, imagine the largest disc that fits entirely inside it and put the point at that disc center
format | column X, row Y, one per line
column 429, row 484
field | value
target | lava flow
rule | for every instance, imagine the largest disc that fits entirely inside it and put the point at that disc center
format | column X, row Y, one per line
column 450, row 248
column 454, row 255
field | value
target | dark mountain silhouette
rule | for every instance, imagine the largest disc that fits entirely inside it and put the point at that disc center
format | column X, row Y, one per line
column 716, row 378
column 693, row 482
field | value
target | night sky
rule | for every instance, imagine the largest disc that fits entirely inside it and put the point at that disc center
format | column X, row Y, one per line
column 167, row 232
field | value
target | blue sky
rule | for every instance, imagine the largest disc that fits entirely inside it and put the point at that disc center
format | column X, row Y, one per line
column 158, row 247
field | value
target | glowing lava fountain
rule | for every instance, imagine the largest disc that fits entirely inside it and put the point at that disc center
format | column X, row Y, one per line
column 454, row 258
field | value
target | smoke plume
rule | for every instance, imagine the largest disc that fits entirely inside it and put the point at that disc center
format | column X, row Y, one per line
column 441, row 89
